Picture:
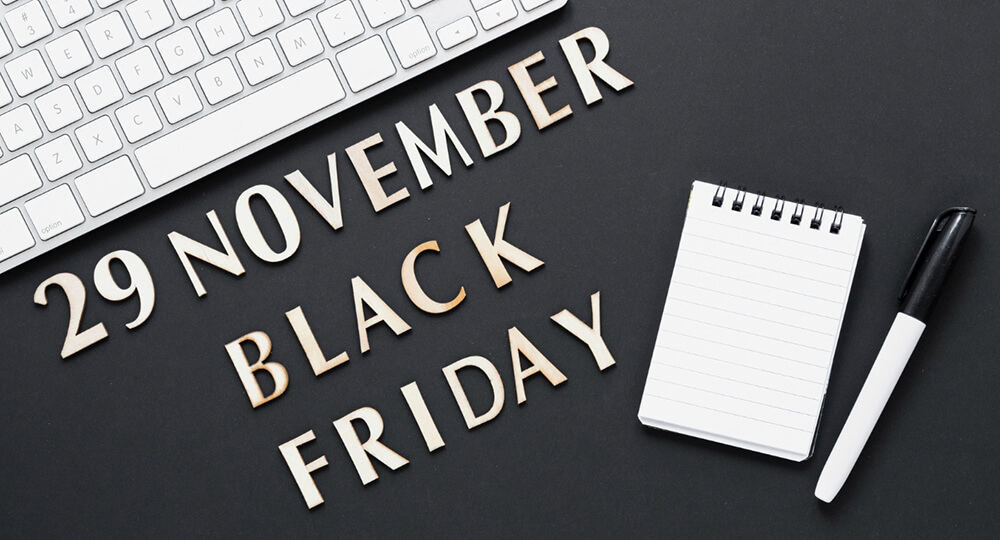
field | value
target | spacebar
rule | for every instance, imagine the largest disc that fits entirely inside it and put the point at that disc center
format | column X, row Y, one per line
column 240, row 123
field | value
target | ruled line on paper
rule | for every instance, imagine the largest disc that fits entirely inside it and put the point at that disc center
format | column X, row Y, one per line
column 745, row 349
column 783, row 306
column 730, row 362
column 730, row 396
column 713, row 375
column 760, row 284
column 811, row 244
column 650, row 394
column 774, row 253
column 741, row 263
column 828, row 334
column 749, row 333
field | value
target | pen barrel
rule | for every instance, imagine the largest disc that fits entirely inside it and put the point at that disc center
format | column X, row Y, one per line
column 892, row 358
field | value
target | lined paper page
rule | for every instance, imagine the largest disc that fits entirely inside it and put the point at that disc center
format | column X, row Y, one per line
column 750, row 324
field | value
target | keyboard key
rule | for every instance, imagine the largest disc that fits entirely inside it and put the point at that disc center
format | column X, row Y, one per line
column 300, row 42
column 417, row 3
column 189, row 8
column 68, row 54
column 366, row 63
column 379, row 12
column 28, row 23
column 341, row 23
column 179, row 100
column 109, row 34
column 138, row 119
column 179, row 51
column 67, row 12
column 106, row 3
column 260, row 15
column 58, row 158
column 480, row 4
column 457, row 32
column 220, row 31
column 532, row 4
column 5, row 97
column 5, row 47
column 240, row 123
column 298, row 7
column 139, row 70
column 54, row 212
column 15, row 236
column 496, row 14
column 18, row 128
column 98, row 139
column 108, row 186
column 99, row 89
column 58, row 108
column 411, row 42
column 17, row 177
column 219, row 81
column 259, row 62
column 28, row 73
column 149, row 17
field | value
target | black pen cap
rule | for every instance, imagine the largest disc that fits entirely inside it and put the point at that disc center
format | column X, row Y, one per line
column 934, row 262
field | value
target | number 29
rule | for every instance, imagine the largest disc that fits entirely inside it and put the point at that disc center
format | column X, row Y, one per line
column 140, row 282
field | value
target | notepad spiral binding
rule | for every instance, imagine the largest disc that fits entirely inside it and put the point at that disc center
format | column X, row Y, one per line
column 779, row 207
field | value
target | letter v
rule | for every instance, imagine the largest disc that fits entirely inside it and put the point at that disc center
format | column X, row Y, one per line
column 330, row 212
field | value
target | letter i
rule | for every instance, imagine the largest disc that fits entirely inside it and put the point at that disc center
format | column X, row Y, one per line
column 423, row 416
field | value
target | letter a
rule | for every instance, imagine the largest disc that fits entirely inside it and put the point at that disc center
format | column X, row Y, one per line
column 519, row 345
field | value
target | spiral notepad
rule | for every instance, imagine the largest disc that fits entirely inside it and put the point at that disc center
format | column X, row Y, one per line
column 750, row 325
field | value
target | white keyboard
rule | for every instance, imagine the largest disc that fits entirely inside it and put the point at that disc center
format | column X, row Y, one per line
column 107, row 105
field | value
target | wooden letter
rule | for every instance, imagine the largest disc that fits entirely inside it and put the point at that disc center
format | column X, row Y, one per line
column 425, row 422
column 491, row 252
column 439, row 156
column 246, row 370
column 477, row 119
column 532, row 92
column 359, row 451
column 519, row 345
column 282, row 211
column 371, row 179
column 591, row 335
column 186, row 248
column 584, row 71
column 413, row 289
column 487, row 367
column 330, row 212
column 364, row 295
column 300, row 470
column 310, row 346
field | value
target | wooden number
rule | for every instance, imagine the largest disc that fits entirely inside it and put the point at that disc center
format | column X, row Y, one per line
column 139, row 281
column 75, row 292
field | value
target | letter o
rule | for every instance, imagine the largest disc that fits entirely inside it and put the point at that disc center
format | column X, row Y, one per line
column 282, row 211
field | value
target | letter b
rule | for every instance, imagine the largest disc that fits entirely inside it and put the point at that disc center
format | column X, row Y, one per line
column 246, row 370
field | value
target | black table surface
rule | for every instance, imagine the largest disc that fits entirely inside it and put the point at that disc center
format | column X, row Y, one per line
column 890, row 109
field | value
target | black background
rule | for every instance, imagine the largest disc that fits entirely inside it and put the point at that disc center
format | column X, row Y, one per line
column 887, row 108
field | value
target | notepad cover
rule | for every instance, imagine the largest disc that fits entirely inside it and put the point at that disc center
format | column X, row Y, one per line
column 750, row 324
